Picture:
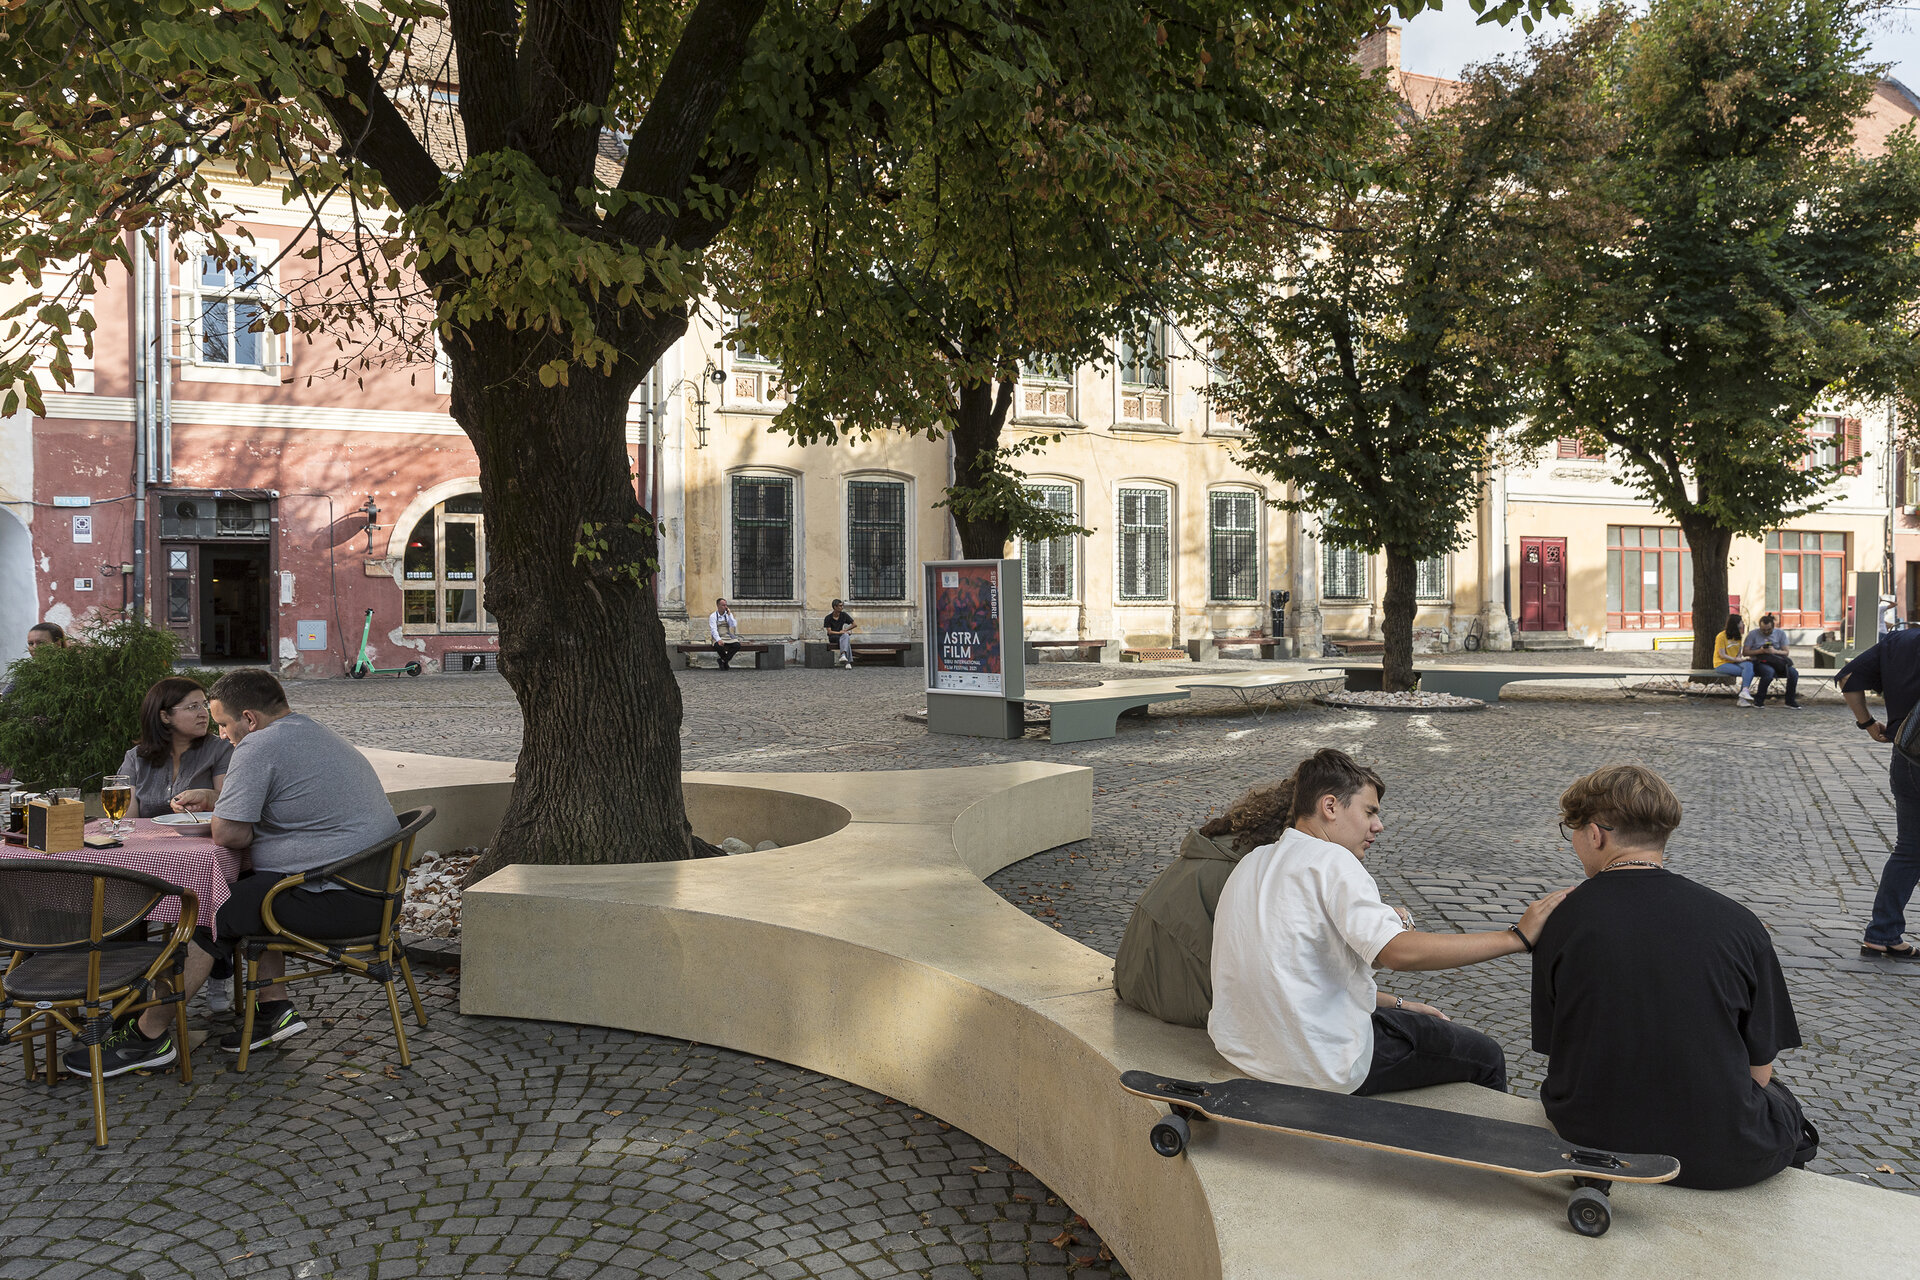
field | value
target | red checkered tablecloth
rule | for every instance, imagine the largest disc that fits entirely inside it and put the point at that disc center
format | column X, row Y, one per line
column 192, row 862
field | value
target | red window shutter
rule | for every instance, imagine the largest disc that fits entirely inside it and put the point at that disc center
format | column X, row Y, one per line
column 1850, row 445
column 1569, row 447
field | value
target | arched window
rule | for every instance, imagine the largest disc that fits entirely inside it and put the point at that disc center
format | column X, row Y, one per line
column 444, row 569
column 1145, row 543
column 1233, row 544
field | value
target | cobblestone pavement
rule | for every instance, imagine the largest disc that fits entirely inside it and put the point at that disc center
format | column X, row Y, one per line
column 536, row 1149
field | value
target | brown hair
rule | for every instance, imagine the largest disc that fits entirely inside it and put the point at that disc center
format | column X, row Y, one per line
column 156, row 738
column 248, row 689
column 1632, row 799
column 56, row 633
column 1256, row 818
column 1328, row 772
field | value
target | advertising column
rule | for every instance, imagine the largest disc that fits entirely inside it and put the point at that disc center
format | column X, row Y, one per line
column 976, row 678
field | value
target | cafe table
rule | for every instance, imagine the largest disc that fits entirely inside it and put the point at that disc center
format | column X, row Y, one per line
column 194, row 863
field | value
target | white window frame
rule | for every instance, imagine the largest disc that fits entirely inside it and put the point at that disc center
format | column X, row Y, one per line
column 1258, row 500
column 1072, row 542
column 908, row 557
column 1047, row 386
column 753, row 381
column 194, row 297
column 796, row 543
column 1120, row 527
column 1327, row 551
column 440, row 583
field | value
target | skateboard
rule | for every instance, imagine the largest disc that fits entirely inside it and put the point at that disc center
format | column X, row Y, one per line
column 1475, row 1142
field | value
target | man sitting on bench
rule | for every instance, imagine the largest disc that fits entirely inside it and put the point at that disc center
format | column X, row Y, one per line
column 1298, row 933
column 1659, row 1003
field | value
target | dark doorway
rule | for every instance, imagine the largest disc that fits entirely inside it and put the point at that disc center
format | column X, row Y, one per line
column 236, row 615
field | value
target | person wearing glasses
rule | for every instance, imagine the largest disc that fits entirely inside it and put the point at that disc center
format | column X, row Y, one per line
column 178, row 765
column 1659, row 1003
column 1298, row 932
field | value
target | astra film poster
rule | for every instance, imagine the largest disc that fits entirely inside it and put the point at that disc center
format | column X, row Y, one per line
column 966, row 644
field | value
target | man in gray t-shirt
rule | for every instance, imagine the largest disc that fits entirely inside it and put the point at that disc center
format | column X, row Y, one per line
column 297, row 797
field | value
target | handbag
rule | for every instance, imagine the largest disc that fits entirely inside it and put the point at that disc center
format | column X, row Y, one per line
column 1906, row 738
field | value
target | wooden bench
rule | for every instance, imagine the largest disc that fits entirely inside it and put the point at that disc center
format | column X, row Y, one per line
column 901, row 653
column 766, row 657
column 1033, row 648
column 1153, row 655
column 1270, row 646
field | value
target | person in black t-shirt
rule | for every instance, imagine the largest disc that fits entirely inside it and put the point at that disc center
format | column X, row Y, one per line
column 1659, row 1003
column 840, row 627
column 1893, row 667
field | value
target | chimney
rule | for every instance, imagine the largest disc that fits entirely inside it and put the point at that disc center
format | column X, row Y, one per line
column 1380, row 51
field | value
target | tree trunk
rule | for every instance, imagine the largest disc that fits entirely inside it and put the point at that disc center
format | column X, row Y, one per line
column 581, row 643
column 1711, row 546
column 1396, row 621
column 980, row 414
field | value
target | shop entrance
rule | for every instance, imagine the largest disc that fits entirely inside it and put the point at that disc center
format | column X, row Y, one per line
column 236, row 618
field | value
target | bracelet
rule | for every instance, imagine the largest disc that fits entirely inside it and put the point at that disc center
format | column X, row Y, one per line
column 1868, row 723
column 1514, row 929
column 1399, row 1002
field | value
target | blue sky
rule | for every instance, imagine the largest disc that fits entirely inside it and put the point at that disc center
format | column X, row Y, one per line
column 1441, row 42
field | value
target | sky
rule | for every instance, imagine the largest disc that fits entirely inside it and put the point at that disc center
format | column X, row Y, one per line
column 1440, row 43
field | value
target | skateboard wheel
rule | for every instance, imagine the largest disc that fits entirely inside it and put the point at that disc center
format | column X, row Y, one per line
column 1169, row 1136
column 358, row 673
column 1589, row 1212
column 413, row 668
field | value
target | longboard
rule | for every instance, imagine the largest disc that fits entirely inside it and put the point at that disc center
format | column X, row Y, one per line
column 1475, row 1142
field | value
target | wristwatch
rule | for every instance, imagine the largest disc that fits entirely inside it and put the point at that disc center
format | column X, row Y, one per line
column 1868, row 723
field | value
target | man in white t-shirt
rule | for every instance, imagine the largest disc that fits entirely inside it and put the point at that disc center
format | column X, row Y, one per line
column 1300, row 929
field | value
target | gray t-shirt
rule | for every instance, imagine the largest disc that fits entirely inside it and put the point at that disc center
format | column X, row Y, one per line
column 1757, row 640
column 154, row 785
column 312, row 798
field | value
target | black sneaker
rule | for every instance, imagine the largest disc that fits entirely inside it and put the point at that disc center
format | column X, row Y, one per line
column 1791, row 705
column 275, row 1022
column 125, row 1050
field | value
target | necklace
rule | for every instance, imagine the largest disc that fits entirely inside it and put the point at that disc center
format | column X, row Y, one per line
column 1633, row 862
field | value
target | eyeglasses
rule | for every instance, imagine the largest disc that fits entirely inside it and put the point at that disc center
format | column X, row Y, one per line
column 1567, row 834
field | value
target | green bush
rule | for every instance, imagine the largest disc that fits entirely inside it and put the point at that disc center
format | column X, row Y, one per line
column 73, row 712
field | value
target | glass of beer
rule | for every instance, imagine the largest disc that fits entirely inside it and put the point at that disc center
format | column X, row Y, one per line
column 116, row 796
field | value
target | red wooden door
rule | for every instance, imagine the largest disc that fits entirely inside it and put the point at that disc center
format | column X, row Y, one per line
column 1543, row 584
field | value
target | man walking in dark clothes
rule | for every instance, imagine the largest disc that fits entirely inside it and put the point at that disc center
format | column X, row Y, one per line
column 1893, row 668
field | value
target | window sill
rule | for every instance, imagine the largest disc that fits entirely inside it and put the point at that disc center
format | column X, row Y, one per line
column 1049, row 424
column 1231, row 433
column 751, row 409
column 1161, row 601
column 240, row 374
column 1146, row 427
column 427, row 630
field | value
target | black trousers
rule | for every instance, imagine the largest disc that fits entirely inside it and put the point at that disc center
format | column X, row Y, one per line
column 1411, row 1050
column 726, row 653
column 322, row 916
column 1765, row 673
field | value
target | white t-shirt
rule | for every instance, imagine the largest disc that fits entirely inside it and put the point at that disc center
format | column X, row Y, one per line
column 1294, row 939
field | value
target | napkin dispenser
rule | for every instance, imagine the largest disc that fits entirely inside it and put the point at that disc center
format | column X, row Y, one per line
column 56, row 826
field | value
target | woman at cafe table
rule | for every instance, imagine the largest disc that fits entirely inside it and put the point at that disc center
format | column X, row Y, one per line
column 178, row 764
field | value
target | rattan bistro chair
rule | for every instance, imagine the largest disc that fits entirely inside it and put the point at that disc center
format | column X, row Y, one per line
column 79, row 962
column 379, row 871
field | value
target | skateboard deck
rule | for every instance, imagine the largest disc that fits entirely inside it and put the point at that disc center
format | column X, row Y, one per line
column 1475, row 1142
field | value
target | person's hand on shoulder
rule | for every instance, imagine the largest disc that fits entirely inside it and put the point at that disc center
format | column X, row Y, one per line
column 1535, row 916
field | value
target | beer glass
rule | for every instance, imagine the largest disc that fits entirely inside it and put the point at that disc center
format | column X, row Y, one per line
column 116, row 796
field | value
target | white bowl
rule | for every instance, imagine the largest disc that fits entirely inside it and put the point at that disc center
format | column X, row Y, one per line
column 198, row 824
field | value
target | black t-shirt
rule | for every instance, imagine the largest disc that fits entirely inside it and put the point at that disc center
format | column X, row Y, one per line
column 1652, row 995
column 1891, row 667
column 839, row 621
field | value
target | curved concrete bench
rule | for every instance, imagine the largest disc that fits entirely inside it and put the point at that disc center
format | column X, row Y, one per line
column 875, row 954
column 1082, row 715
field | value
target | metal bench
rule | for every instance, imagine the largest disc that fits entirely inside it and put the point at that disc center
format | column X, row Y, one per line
column 766, row 657
column 1033, row 648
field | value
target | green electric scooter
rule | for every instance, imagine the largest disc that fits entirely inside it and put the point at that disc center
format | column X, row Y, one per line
column 363, row 665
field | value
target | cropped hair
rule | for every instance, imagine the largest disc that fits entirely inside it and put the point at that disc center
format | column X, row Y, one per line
column 249, row 689
column 156, row 738
column 1328, row 772
column 1632, row 799
column 1259, row 817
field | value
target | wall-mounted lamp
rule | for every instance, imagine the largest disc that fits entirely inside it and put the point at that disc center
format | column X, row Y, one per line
column 371, row 511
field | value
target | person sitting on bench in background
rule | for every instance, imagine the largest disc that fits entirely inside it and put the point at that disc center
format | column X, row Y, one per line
column 1165, row 963
column 1728, row 660
column 1766, row 647
column 1300, row 929
column 840, row 626
column 1659, row 1003
column 725, row 631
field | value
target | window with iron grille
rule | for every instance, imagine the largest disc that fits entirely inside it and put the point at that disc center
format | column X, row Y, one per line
column 762, row 538
column 1233, row 545
column 1049, row 561
column 876, row 540
column 1343, row 573
column 1145, row 568
column 1430, row 579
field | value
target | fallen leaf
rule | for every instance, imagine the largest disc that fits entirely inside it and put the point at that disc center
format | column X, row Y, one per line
column 1064, row 1239
column 978, row 1168
column 1884, row 1168
column 613, row 1113
column 1022, row 1198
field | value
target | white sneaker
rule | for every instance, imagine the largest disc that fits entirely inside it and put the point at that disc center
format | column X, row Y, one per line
column 1744, row 700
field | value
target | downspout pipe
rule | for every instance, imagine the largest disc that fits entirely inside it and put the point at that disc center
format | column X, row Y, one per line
column 163, row 351
column 142, row 418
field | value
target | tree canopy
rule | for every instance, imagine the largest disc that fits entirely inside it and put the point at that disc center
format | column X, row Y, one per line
column 1767, row 269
